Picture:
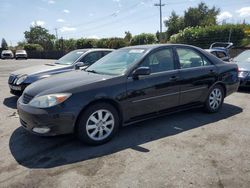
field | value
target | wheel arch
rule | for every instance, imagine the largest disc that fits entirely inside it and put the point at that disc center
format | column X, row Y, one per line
column 101, row 100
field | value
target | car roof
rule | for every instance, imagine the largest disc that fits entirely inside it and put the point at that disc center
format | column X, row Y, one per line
column 153, row 46
column 94, row 49
column 6, row 51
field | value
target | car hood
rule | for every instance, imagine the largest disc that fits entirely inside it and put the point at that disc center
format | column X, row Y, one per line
column 38, row 69
column 65, row 82
column 243, row 65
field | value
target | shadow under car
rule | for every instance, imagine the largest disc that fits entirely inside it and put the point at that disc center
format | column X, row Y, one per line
column 47, row 152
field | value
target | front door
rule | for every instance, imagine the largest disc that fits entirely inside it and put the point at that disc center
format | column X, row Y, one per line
column 157, row 91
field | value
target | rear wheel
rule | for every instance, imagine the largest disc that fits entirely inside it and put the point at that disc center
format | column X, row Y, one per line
column 98, row 124
column 215, row 99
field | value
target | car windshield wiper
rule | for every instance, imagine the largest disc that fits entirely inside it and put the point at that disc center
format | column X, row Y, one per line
column 92, row 71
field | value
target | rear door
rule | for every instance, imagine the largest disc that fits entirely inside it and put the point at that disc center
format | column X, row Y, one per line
column 197, row 74
column 157, row 91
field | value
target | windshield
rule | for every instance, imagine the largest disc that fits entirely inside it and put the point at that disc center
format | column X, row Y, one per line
column 20, row 51
column 117, row 62
column 243, row 57
column 70, row 58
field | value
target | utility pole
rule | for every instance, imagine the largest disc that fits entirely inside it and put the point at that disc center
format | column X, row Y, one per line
column 160, row 5
column 56, row 30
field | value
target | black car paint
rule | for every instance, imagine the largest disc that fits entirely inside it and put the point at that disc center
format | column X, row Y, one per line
column 134, row 98
column 50, row 70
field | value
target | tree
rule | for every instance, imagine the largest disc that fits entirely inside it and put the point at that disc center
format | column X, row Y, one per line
column 205, row 36
column 41, row 36
column 85, row 43
column 4, row 44
column 128, row 36
column 33, row 47
column 144, row 38
column 200, row 16
column 174, row 24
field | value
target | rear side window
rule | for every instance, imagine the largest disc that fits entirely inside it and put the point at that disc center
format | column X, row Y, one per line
column 159, row 61
column 189, row 58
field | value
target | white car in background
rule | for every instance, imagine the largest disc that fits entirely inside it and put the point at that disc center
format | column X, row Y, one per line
column 21, row 54
column 7, row 54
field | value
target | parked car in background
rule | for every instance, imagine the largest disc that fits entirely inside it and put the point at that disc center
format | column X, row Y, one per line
column 76, row 59
column 21, row 54
column 126, row 86
column 243, row 61
column 7, row 54
column 221, row 50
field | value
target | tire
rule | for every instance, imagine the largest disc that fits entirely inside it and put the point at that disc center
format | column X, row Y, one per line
column 215, row 99
column 91, row 126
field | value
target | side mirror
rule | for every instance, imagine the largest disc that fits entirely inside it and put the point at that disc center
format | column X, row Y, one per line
column 141, row 71
column 78, row 65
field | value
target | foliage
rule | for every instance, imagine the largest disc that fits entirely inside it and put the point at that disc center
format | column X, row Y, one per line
column 4, row 44
column 33, row 47
column 65, row 45
column 85, row 43
column 194, row 16
column 41, row 36
column 174, row 24
column 128, row 36
column 200, row 16
column 144, row 38
column 204, row 36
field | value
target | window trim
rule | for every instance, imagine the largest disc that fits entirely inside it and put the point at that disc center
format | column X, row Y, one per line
column 196, row 51
column 151, row 52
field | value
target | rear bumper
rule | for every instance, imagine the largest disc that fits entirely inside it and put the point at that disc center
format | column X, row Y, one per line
column 231, row 88
column 58, row 123
column 245, row 82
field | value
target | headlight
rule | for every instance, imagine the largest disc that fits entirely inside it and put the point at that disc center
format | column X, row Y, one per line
column 243, row 74
column 47, row 101
column 21, row 79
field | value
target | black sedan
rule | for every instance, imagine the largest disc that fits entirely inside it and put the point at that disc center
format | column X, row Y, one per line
column 126, row 86
column 20, row 79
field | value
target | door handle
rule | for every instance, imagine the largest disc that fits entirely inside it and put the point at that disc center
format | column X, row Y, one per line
column 173, row 78
column 212, row 71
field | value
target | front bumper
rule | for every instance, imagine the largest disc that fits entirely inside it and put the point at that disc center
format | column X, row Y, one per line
column 58, row 122
column 17, row 89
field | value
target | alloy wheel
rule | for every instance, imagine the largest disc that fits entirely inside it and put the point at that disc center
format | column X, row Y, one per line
column 215, row 98
column 100, row 124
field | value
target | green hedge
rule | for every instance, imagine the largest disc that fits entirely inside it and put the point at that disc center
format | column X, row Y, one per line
column 205, row 36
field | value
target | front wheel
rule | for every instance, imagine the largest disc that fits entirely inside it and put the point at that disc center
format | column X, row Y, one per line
column 98, row 124
column 215, row 99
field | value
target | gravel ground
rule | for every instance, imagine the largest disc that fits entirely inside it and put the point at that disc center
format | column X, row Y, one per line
column 187, row 149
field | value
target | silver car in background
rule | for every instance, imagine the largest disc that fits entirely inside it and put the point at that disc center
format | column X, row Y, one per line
column 243, row 62
column 7, row 54
column 21, row 54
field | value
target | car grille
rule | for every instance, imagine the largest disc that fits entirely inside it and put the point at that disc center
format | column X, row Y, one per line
column 27, row 98
column 12, row 79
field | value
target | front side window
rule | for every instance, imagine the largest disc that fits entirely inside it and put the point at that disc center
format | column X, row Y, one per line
column 159, row 61
column 189, row 58
column 91, row 58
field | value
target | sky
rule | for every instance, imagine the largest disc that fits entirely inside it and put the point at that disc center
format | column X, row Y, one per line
column 102, row 18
